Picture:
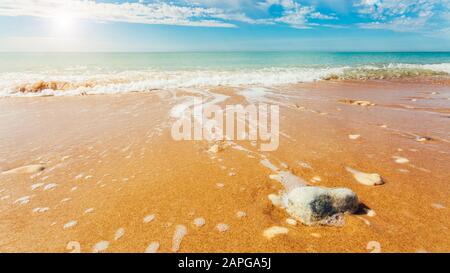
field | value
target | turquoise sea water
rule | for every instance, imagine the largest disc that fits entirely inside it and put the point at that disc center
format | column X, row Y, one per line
column 18, row 62
column 98, row 73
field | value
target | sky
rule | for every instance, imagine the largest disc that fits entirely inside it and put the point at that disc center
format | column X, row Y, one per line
column 232, row 25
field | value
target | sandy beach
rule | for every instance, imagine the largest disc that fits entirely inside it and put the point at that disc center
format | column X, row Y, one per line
column 105, row 175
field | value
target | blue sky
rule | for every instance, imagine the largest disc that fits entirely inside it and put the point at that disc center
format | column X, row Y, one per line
column 197, row 25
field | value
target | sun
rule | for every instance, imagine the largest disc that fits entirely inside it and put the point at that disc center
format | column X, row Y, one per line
column 64, row 23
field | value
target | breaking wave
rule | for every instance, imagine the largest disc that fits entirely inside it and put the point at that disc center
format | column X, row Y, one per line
column 69, row 82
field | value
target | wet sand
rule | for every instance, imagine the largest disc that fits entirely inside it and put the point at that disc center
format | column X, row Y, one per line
column 115, row 178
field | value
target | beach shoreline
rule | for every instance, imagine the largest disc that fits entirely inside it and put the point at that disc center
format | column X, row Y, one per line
column 114, row 174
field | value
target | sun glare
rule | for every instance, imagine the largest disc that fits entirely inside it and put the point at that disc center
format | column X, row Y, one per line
column 64, row 23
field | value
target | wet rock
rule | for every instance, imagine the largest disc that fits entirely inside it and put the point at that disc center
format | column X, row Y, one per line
column 423, row 139
column 317, row 205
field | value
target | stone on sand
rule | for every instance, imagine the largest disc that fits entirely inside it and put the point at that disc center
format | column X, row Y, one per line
column 357, row 102
column 26, row 169
column 317, row 205
column 354, row 137
column 423, row 139
column 368, row 179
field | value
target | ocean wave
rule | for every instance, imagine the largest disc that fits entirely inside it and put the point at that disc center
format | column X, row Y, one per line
column 389, row 72
column 67, row 82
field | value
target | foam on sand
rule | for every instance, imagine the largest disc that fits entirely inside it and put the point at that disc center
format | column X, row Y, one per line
column 100, row 247
column 222, row 227
column 37, row 185
column 199, row 222
column 288, row 180
column 180, row 232
column 50, row 186
column 149, row 218
column 368, row 179
column 274, row 231
column 400, row 160
column 374, row 247
column 70, row 224
column 40, row 210
column 153, row 247
column 119, row 234
column 22, row 200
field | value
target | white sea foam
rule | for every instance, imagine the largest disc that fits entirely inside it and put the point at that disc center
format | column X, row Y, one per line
column 69, row 82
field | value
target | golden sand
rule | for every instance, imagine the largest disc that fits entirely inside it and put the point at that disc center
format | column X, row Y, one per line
column 116, row 181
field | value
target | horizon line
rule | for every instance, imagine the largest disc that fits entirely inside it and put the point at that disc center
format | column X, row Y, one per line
column 234, row 51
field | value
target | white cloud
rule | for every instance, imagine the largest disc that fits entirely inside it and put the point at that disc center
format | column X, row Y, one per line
column 294, row 14
column 153, row 13
column 402, row 15
column 206, row 13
